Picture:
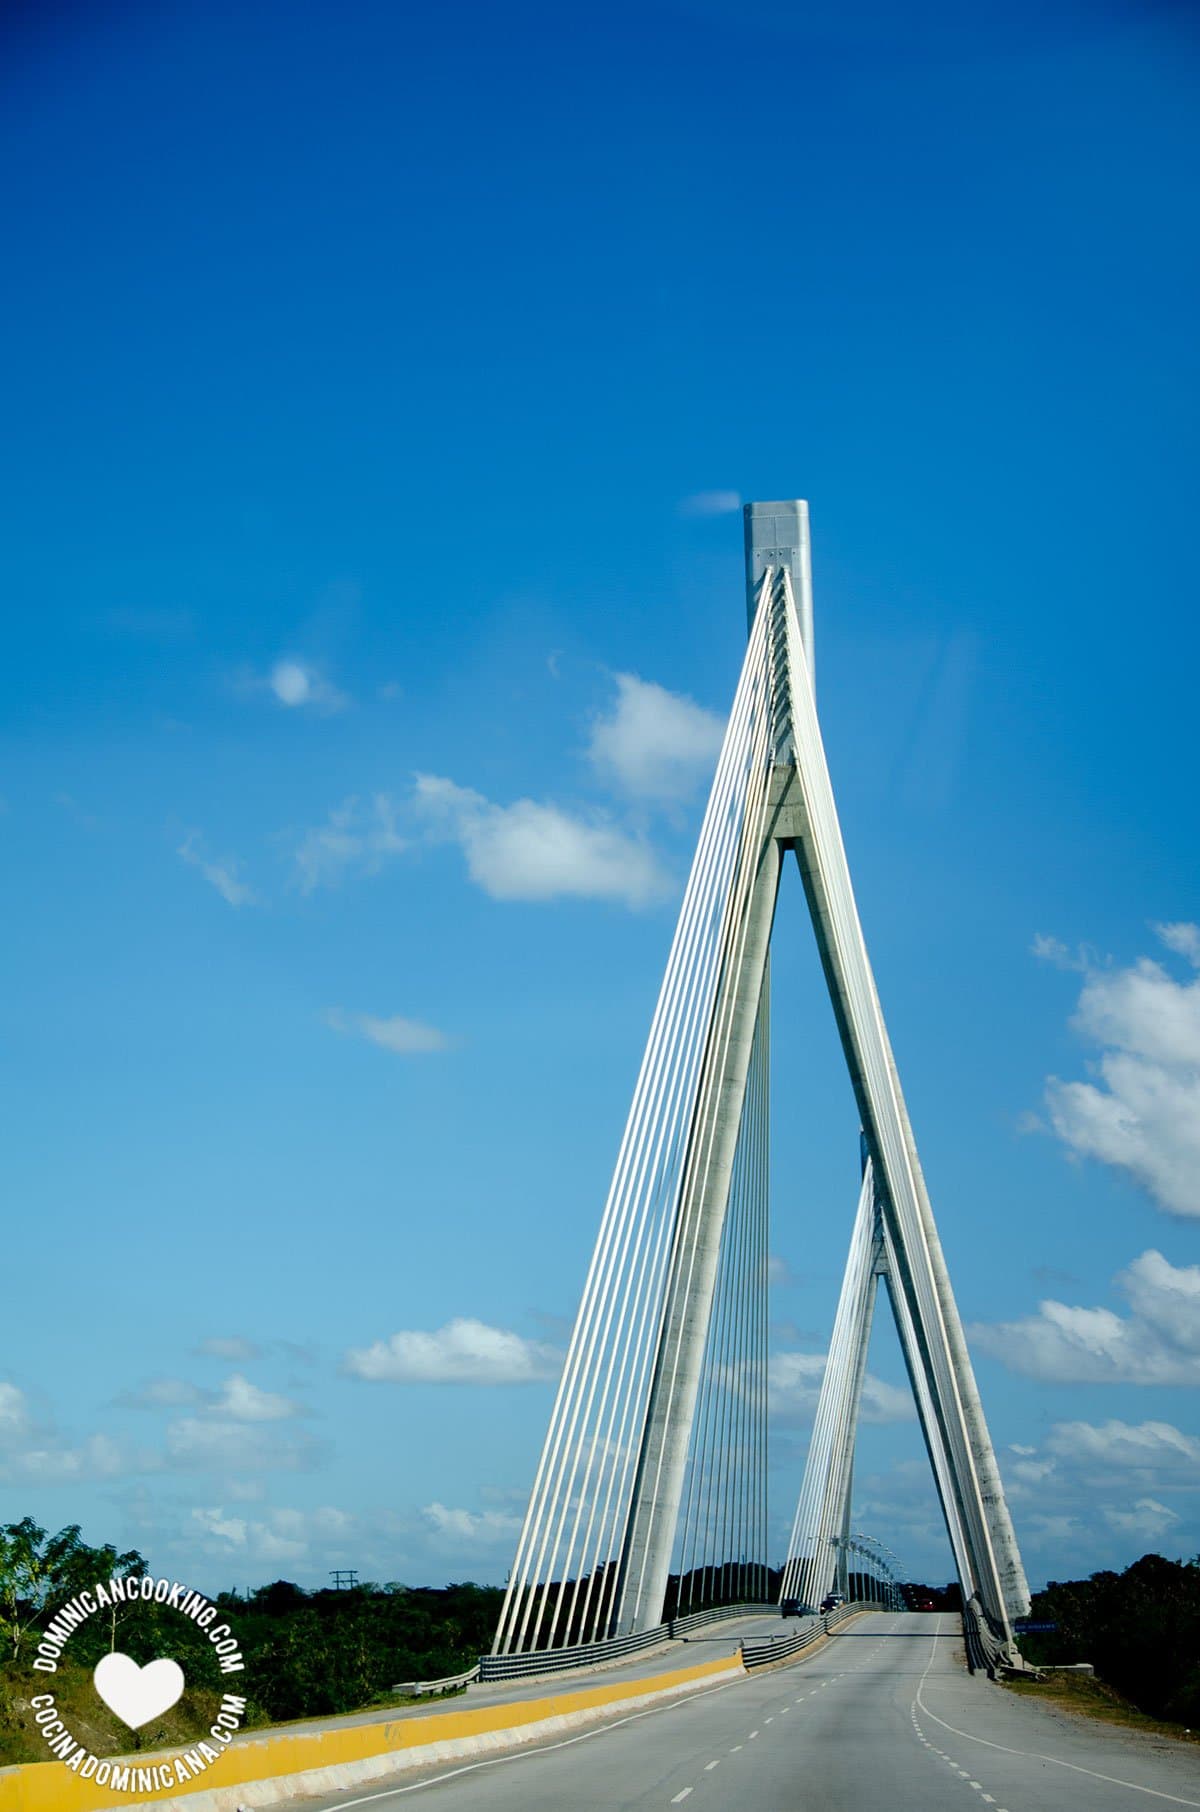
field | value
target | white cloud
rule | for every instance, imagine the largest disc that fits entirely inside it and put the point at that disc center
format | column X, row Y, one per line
column 465, row 1351
column 1158, row 1343
column 779, row 1272
column 470, row 1528
column 296, row 683
column 241, row 1401
column 1142, row 1115
column 1064, row 1531
column 1092, row 1482
column 1183, row 939
column 529, row 851
column 279, row 1535
column 204, row 1444
column 232, row 1347
column 794, row 1385
column 222, row 874
column 246, row 1491
column 97, row 1457
column 1148, row 1520
column 228, row 1529
column 35, row 1453
column 1140, row 1450
column 710, row 503
column 14, row 1415
column 655, row 744
column 358, row 836
column 407, row 1037
column 1053, row 950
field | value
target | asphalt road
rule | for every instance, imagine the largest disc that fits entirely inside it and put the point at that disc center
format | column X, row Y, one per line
column 884, row 1716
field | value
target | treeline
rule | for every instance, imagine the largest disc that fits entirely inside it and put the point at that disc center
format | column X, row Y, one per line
column 1140, row 1629
column 307, row 1654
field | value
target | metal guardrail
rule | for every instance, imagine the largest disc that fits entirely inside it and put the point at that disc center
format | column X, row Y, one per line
column 779, row 1648
column 556, row 1660
column 418, row 1688
column 721, row 1613
column 595, row 1654
column 988, row 1651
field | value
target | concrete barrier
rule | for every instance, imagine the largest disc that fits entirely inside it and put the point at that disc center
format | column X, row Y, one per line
column 265, row 1769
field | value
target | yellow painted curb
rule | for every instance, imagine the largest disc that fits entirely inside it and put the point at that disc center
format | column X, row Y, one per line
column 52, row 1787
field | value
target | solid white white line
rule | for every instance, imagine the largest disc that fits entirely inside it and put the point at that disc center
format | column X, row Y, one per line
column 1036, row 1755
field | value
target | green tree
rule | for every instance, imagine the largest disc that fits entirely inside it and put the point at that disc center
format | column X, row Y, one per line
column 40, row 1572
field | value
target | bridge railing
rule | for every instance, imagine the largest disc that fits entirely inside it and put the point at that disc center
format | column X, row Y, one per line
column 615, row 1648
column 986, row 1653
column 420, row 1688
column 779, row 1648
column 721, row 1613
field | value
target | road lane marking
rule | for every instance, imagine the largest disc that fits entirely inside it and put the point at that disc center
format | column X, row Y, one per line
column 525, row 1755
column 1036, row 1755
column 680, row 1796
column 709, row 1766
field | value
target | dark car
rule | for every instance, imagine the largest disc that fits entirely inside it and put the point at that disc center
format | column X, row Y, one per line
column 831, row 1601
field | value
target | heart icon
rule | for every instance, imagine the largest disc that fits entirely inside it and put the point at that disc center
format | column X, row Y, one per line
column 137, row 1694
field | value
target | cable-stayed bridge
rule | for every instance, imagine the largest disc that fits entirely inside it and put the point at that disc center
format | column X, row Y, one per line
column 649, row 1499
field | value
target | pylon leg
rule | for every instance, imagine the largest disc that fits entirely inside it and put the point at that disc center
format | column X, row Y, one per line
column 817, row 1551
column 666, row 1434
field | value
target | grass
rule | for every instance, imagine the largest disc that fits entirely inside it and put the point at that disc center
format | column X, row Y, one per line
column 1088, row 1697
column 91, row 1723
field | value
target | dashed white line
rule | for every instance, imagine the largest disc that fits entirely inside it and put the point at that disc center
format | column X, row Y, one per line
column 709, row 1766
column 680, row 1796
column 1039, row 1756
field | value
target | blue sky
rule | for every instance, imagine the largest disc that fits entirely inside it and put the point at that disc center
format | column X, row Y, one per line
column 380, row 386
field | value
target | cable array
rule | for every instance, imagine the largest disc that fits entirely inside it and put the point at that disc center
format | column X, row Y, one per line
column 722, row 1540
column 564, row 1582
column 823, row 1506
column 655, row 1452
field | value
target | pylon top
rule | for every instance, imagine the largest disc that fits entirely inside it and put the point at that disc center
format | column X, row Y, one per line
column 777, row 535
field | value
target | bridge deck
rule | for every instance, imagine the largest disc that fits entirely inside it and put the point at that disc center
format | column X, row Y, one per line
column 883, row 1716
